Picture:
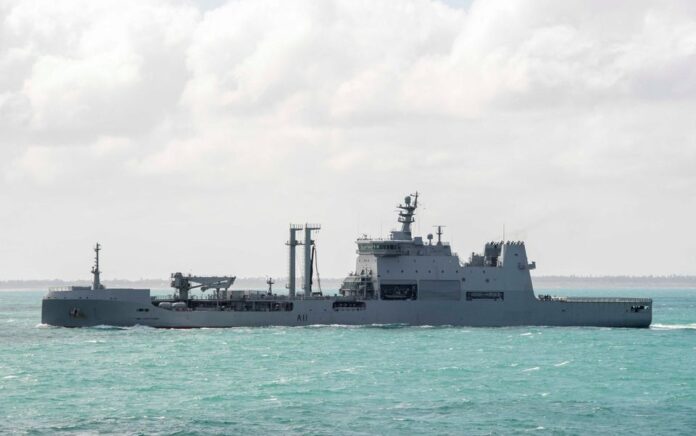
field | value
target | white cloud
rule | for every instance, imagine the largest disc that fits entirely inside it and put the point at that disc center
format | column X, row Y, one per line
column 561, row 119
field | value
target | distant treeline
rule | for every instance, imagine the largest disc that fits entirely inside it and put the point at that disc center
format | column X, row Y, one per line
column 603, row 282
column 332, row 284
column 240, row 283
column 43, row 284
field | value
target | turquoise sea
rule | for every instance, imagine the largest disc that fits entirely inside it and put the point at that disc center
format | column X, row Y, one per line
column 350, row 381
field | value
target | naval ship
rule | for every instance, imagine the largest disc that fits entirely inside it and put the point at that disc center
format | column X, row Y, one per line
column 401, row 279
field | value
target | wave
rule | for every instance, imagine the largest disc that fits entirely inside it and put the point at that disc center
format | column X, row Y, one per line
column 691, row 326
column 361, row 326
column 105, row 327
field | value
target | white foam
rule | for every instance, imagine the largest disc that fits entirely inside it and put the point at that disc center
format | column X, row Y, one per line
column 565, row 362
column 691, row 326
column 536, row 368
column 106, row 327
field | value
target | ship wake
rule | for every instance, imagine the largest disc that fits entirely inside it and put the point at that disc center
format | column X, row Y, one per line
column 691, row 326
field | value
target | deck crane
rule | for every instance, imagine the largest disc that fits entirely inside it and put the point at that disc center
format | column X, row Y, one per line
column 183, row 284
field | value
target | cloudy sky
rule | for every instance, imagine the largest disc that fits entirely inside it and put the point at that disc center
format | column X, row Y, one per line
column 186, row 136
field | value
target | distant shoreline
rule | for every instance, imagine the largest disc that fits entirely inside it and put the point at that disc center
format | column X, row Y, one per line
column 540, row 282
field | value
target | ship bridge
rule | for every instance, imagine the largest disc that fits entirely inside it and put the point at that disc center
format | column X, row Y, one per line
column 414, row 247
column 394, row 268
column 401, row 242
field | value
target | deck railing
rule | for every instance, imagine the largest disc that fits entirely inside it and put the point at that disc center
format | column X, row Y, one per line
column 594, row 299
column 69, row 288
column 254, row 296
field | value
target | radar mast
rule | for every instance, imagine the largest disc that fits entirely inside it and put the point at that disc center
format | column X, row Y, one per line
column 406, row 217
column 270, row 282
column 96, row 285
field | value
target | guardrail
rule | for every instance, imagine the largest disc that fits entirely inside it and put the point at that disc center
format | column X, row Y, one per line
column 254, row 296
column 594, row 299
column 69, row 288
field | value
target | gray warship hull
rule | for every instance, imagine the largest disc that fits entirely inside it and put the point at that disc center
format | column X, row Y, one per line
column 84, row 312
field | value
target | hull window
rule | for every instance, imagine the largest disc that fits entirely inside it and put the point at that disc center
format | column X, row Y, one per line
column 639, row 308
column 403, row 291
column 485, row 296
column 349, row 305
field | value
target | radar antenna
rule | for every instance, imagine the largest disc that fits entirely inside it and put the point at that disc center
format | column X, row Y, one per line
column 439, row 233
column 406, row 214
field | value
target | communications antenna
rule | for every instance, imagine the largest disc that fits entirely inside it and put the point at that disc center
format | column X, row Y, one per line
column 270, row 282
column 95, row 269
column 439, row 233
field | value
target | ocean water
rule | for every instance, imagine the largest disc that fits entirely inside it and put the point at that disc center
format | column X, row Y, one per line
column 338, row 380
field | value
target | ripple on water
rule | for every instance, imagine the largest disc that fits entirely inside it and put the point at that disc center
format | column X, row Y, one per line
column 346, row 379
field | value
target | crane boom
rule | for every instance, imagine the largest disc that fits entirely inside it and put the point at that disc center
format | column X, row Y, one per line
column 183, row 284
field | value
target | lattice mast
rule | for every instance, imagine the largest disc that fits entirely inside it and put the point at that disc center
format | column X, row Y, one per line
column 406, row 214
column 96, row 284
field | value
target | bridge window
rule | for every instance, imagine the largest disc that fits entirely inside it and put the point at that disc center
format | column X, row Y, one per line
column 384, row 246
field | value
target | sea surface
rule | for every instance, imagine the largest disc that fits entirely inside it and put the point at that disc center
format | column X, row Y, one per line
column 338, row 380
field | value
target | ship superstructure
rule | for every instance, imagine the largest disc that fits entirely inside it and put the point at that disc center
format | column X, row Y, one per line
column 401, row 279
